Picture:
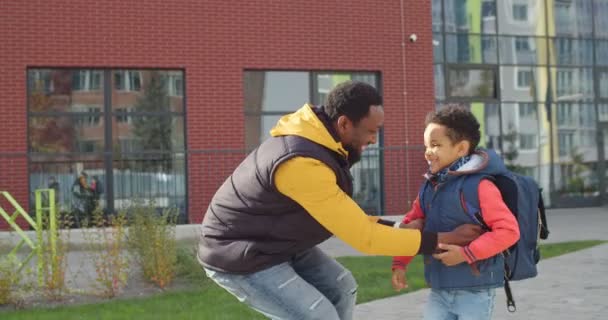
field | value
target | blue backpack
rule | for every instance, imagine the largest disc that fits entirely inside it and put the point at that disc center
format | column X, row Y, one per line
column 524, row 199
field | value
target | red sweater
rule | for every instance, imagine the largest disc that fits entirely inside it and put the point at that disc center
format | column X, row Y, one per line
column 503, row 225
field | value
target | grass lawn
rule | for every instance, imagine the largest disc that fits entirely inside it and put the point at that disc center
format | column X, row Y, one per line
column 211, row 302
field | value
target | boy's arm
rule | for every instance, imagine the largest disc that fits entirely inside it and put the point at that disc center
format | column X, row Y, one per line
column 504, row 230
column 415, row 213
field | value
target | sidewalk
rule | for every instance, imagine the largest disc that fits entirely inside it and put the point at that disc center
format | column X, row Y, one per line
column 572, row 286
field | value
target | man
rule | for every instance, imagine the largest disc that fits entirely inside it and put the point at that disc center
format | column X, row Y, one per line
column 260, row 232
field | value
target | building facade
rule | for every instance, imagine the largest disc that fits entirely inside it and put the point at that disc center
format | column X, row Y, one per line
column 535, row 73
column 111, row 101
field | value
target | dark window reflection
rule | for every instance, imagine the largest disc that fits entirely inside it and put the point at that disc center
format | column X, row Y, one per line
column 67, row 137
column 473, row 83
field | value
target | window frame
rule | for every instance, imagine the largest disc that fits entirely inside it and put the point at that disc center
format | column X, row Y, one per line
column 92, row 116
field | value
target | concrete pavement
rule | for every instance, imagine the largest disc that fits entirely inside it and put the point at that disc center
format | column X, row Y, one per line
column 572, row 286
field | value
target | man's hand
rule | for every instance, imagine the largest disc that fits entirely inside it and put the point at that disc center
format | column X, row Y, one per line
column 399, row 280
column 461, row 236
column 414, row 224
column 451, row 255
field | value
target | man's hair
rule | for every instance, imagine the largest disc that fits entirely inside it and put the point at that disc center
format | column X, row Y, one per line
column 352, row 99
column 461, row 124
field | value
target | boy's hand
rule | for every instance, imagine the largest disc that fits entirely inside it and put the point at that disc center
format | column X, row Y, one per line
column 399, row 280
column 451, row 255
column 414, row 224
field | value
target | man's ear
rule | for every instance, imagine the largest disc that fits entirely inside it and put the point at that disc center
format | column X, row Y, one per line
column 344, row 123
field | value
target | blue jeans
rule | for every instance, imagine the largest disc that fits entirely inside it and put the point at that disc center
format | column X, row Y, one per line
column 311, row 285
column 469, row 304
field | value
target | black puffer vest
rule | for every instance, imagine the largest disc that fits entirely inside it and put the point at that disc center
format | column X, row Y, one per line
column 249, row 225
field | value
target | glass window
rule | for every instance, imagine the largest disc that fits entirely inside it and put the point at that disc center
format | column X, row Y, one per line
column 437, row 48
column 602, row 80
column 159, row 133
column 573, row 84
column 566, row 115
column 155, row 177
column 439, row 82
column 601, row 52
column 573, row 52
column 437, row 15
column 467, row 48
column 271, row 94
column 524, row 78
column 65, row 90
column 520, row 12
column 127, row 80
column 67, row 136
column 522, row 50
column 600, row 10
column 577, row 124
column 572, row 18
column 527, row 110
column 520, row 132
column 577, row 164
column 521, row 17
column 86, row 80
column 469, row 82
column 520, row 83
column 528, row 141
column 603, row 113
column 469, row 16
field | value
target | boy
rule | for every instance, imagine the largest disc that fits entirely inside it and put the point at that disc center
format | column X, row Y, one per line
column 463, row 280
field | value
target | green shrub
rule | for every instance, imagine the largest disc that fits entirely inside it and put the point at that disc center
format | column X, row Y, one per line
column 107, row 241
column 152, row 242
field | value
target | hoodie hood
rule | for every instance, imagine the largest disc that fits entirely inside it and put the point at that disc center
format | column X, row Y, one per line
column 483, row 161
column 306, row 124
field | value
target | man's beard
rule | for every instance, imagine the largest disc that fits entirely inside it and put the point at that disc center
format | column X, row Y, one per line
column 354, row 155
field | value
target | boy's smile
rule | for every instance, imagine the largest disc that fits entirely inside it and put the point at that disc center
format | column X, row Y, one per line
column 440, row 150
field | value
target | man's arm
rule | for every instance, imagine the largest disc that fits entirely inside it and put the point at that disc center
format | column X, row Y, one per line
column 312, row 184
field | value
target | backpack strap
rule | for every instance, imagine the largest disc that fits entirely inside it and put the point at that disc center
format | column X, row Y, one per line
column 469, row 192
column 544, row 228
column 469, row 198
column 421, row 197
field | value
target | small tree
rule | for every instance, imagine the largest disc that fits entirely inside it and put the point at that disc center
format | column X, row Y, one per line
column 511, row 153
column 576, row 183
column 152, row 241
column 154, row 132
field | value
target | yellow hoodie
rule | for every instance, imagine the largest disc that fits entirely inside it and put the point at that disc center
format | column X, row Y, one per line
column 313, row 185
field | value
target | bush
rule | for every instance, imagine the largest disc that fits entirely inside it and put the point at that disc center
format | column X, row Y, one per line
column 54, row 267
column 152, row 242
column 111, row 262
column 13, row 282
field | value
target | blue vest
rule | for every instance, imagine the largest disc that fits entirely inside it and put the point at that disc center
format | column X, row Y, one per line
column 444, row 211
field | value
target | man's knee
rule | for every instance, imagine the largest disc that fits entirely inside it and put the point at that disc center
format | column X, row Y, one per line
column 347, row 284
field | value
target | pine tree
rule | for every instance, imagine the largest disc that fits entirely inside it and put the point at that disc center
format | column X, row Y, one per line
column 154, row 130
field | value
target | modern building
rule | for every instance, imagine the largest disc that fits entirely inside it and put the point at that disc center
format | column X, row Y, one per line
column 113, row 101
column 535, row 72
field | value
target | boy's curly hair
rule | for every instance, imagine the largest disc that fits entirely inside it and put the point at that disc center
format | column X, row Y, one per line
column 461, row 124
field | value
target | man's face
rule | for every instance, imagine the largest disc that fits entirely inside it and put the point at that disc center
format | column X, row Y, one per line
column 355, row 137
column 440, row 151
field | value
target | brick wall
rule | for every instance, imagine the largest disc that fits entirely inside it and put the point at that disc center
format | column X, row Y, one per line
column 213, row 41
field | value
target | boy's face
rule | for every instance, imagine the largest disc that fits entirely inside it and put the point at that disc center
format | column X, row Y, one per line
column 440, row 150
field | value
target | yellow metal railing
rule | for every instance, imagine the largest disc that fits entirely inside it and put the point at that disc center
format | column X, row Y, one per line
column 37, row 225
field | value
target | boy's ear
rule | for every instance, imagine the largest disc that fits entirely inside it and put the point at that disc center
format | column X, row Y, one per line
column 463, row 148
